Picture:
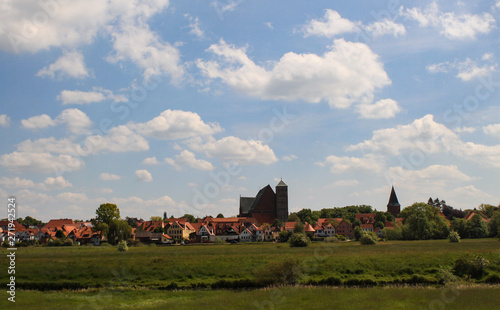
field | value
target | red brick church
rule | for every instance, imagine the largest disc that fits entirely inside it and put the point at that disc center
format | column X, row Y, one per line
column 267, row 205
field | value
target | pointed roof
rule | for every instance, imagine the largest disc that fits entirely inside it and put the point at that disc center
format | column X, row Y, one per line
column 393, row 200
column 281, row 183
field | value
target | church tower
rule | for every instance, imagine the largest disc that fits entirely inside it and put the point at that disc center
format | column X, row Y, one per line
column 282, row 201
column 393, row 207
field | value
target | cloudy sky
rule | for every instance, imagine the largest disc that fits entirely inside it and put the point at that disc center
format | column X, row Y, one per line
column 183, row 106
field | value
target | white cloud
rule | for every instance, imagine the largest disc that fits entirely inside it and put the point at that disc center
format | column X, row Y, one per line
column 70, row 64
column 56, row 183
column 187, row 158
column 384, row 108
column 331, row 25
column 348, row 73
column 194, row 25
column 38, row 122
column 73, row 197
column 109, row 177
column 346, row 183
column 175, row 124
column 87, row 97
column 150, row 161
column 118, row 139
column 493, row 130
column 16, row 182
column 441, row 173
column 465, row 130
column 143, row 175
column 77, row 121
column 386, row 26
column 4, row 120
column 289, row 157
column 233, row 149
column 269, row 25
column 452, row 26
column 467, row 70
column 369, row 162
column 40, row 162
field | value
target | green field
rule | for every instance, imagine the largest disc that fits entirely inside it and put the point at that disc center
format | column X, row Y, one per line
column 151, row 276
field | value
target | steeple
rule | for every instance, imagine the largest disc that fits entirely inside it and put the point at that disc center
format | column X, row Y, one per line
column 393, row 206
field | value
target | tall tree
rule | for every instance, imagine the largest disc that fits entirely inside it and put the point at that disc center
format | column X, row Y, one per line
column 156, row 218
column 477, row 227
column 107, row 212
column 189, row 217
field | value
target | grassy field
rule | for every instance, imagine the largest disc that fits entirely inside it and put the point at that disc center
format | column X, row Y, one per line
column 152, row 276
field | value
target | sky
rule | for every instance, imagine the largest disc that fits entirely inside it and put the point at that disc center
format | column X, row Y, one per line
column 184, row 106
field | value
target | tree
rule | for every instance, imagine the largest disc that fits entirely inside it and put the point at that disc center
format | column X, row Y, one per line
column 284, row 236
column 477, row 227
column 379, row 224
column 358, row 232
column 460, row 226
column 60, row 234
column 29, row 221
column 293, row 218
column 380, row 217
column 417, row 227
column 389, row 217
column 107, row 212
column 277, row 223
column 132, row 221
column 189, row 217
column 220, row 216
column 159, row 229
column 299, row 228
column 494, row 225
column 164, row 215
column 299, row 240
column 156, row 219
column 368, row 238
column 118, row 230
column 356, row 223
column 487, row 209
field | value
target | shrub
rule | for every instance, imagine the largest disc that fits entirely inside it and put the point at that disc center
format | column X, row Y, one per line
column 299, row 240
column 368, row 238
column 284, row 236
column 218, row 240
column 341, row 237
column 470, row 266
column 331, row 239
column 68, row 242
column 122, row 246
column 6, row 243
column 454, row 236
column 286, row 272
column 445, row 276
column 492, row 279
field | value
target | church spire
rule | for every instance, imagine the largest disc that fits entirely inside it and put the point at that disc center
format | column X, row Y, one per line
column 393, row 206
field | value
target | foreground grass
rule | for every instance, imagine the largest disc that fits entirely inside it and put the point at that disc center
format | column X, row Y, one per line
column 200, row 266
column 477, row 297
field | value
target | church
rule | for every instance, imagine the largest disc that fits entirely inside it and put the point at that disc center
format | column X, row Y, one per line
column 267, row 205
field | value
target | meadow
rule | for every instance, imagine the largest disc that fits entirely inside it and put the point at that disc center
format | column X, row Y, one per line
column 154, row 276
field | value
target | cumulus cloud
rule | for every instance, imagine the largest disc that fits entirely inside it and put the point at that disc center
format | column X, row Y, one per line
column 194, row 25
column 451, row 25
column 386, row 26
column 150, row 161
column 175, row 124
column 16, row 182
column 4, row 120
column 468, row 69
column 38, row 122
column 70, row 64
column 187, row 158
column 77, row 121
column 233, row 149
column 384, row 108
column 109, row 177
column 348, row 73
column 143, row 175
column 119, row 139
column 493, row 130
column 40, row 162
column 289, row 157
column 339, row 164
column 87, row 97
column 56, row 183
column 331, row 25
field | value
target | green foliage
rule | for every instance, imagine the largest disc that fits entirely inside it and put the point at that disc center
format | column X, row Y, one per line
column 379, row 224
column 106, row 213
column 118, row 230
column 454, row 236
column 189, row 217
column 487, row 209
column 220, row 216
column 28, row 220
column 60, row 234
column 277, row 223
column 299, row 240
column 347, row 213
column 395, row 233
column 445, row 276
column 285, row 272
column 56, row 242
column 122, row 246
column 422, row 222
column 306, row 215
column 299, row 228
column 68, row 242
column 156, row 219
column 380, row 217
column 358, row 233
column 470, row 266
column 389, row 217
column 284, row 236
column 494, row 225
column 332, row 240
column 293, row 218
column 159, row 229
column 476, row 227
column 460, row 226
column 219, row 241
column 368, row 238
column 6, row 243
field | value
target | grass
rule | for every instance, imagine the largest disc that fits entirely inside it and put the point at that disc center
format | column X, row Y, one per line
column 201, row 266
column 475, row 297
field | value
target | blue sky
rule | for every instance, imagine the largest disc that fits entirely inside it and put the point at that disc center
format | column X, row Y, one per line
column 183, row 106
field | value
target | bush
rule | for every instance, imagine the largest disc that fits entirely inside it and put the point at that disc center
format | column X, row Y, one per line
column 492, row 279
column 57, row 242
column 218, row 240
column 122, row 246
column 332, row 240
column 454, row 236
column 341, row 237
column 368, row 238
column 68, row 242
column 470, row 266
column 299, row 240
column 286, row 272
column 284, row 236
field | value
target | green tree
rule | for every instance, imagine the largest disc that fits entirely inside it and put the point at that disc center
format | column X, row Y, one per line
column 60, row 234
column 356, row 223
column 299, row 228
column 477, row 227
column 379, row 224
column 30, row 221
column 389, row 217
column 156, row 219
column 159, row 229
column 277, row 223
column 487, row 209
column 460, row 226
column 107, row 212
column 293, row 218
column 189, row 217
column 417, row 227
column 118, row 230
column 380, row 217
column 284, row 236
column 299, row 240
column 108, row 223
column 494, row 225
column 220, row 216
column 358, row 232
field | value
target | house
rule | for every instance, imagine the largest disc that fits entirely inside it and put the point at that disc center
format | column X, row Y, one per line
column 246, row 236
column 309, row 229
column 151, row 237
column 344, row 228
column 366, row 218
column 166, row 239
column 180, row 231
column 66, row 225
column 290, row 226
column 28, row 235
column 367, row 227
column 206, row 233
column 12, row 226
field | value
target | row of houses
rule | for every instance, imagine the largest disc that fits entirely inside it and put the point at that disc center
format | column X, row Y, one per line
column 206, row 230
